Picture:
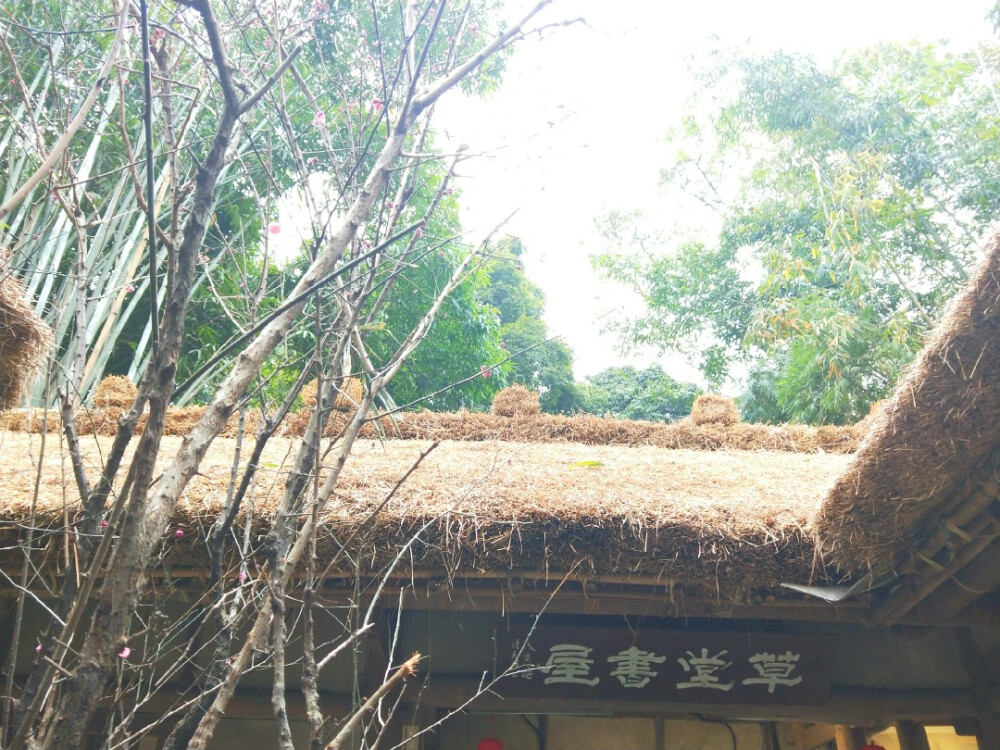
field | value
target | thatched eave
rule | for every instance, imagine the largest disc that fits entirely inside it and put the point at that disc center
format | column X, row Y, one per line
column 724, row 523
column 24, row 340
column 912, row 501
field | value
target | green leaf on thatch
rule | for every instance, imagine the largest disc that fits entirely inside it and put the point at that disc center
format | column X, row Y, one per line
column 588, row 464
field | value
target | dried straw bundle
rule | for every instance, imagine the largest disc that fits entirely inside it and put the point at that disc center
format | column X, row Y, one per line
column 346, row 400
column 711, row 409
column 112, row 398
column 516, row 401
column 347, row 397
column 478, row 427
column 590, row 430
column 115, row 391
column 24, row 341
column 928, row 441
column 30, row 420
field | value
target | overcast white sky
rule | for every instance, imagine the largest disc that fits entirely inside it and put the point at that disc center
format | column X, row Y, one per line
column 577, row 126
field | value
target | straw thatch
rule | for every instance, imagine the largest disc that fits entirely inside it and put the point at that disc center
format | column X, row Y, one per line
column 929, row 440
column 477, row 426
column 115, row 392
column 345, row 399
column 865, row 423
column 104, row 421
column 720, row 522
column 516, row 401
column 711, row 409
column 591, row 430
column 30, row 420
column 24, row 341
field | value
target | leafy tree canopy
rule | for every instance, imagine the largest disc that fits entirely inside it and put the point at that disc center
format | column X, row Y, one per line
column 629, row 393
column 538, row 362
column 340, row 104
column 851, row 202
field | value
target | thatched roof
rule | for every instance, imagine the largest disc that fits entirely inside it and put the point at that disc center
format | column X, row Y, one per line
column 725, row 523
column 915, row 498
column 24, row 340
column 586, row 429
column 722, row 509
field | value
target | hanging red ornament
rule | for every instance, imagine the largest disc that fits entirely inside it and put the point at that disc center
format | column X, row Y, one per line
column 490, row 743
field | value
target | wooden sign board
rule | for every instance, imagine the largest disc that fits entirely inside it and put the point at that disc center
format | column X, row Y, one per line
column 667, row 666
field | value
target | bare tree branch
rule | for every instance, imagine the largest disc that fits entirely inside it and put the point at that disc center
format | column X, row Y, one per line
column 60, row 146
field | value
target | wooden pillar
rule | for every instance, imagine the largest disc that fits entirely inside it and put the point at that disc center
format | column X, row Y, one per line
column 426, row 716
column 911, row 736
column 988, row 720
column 799, row 735
column 846, row 738
column 769, row 730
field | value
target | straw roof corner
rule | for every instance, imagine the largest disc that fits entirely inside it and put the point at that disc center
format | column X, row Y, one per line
column 928, row 444
column 24, row 341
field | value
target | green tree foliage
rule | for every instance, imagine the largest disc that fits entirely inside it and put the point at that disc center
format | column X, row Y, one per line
column 538, row 362
column 343, row 113
column 851, row 202
column 250, row 101
column 629, row 393
column 465, row 336
column 325, row 126
column 544, row 365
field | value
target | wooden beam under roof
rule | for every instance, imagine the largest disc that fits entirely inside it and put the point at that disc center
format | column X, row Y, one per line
column 845, row 706
column 963, row 544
